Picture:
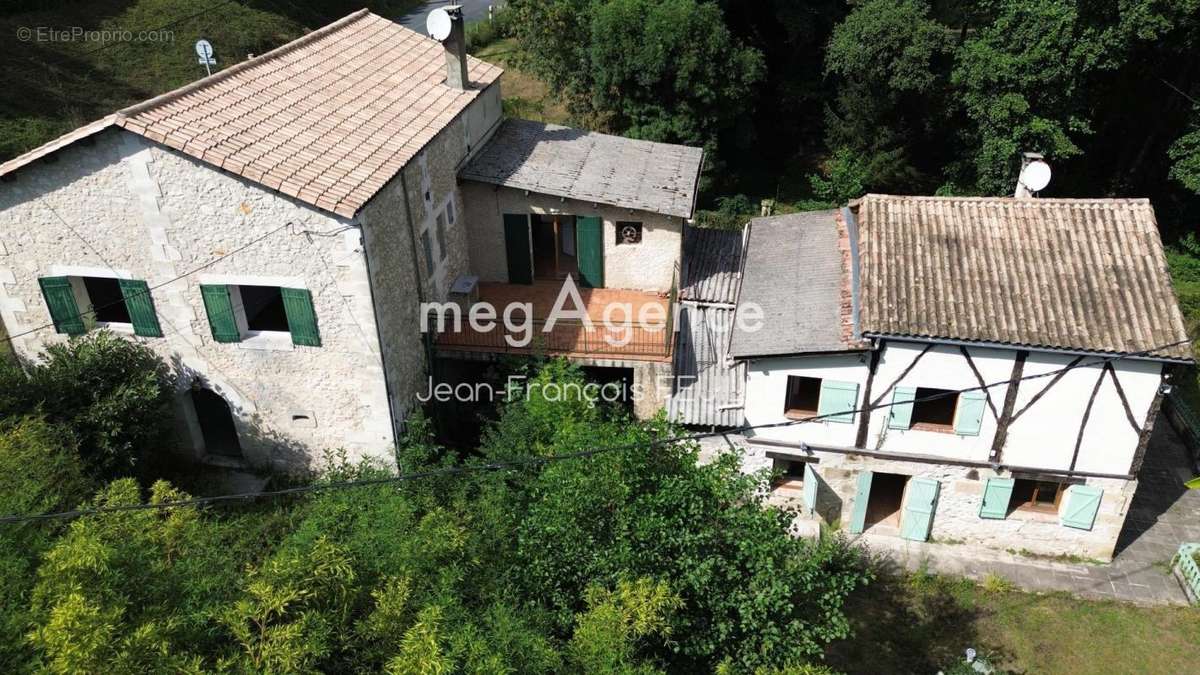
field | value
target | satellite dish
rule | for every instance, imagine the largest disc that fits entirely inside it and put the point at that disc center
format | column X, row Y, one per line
column 438, row 24
column 1035, row 176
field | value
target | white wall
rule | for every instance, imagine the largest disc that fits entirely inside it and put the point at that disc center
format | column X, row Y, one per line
column 942, row 367
column 648, row 266
column 1045, row 436
column 766, row 391
column 157, row 214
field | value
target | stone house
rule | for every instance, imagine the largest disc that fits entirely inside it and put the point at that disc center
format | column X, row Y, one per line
column 983, row 371
column 274, row 229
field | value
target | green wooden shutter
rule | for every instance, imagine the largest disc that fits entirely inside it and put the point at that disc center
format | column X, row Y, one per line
column 997, row 493
column 516, row 248
column 838, row 400
column 589, row 246
column 60, row 299
column 917, row 519
column 1080, row 507
column 969, row 415
column 141, row 307
column 302, row 319
column 900, row 413
column 858, row 510
column 810, row 489
column 220, row 313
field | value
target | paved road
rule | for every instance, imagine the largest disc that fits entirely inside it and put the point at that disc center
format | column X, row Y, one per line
column 473, row 10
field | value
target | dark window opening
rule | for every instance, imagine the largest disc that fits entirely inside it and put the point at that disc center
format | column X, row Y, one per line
column 1035, row 495
column 934, row 407
column 440, row 230
column 803, row 394
column 427, row 248
column 885, row 500
column 790, row 469
column 264, row 308
column 629, row 232
column 108, row 305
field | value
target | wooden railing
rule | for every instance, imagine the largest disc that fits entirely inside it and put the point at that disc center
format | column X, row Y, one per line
column 565, row 337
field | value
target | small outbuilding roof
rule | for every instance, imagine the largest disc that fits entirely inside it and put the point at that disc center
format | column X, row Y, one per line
column 588, row 166
column 328, row 118
column 795, row 271
column 1060, row 274
column 712, row 265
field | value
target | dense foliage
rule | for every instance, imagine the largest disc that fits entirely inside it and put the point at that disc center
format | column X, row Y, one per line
column 111, row 394
column 633, row 560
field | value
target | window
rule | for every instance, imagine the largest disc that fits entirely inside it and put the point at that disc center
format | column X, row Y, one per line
column 803, row 395
column 789, row 469
column 629, row 232
column 237, row 313
column 263, row 308
column 78, row 303
column 450, row 211
column 933, row 409
column 107, row 303
column 441, row 235
column 427, row 248
column 1035, row 495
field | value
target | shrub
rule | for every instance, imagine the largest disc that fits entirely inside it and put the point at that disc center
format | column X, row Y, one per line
column 113, row 394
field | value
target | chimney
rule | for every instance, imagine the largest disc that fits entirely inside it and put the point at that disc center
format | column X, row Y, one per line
column 455, row 45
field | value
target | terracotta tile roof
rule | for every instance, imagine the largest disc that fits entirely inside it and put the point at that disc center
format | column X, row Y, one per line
column 328, row 118
column 1074, row 274
column 591, row 167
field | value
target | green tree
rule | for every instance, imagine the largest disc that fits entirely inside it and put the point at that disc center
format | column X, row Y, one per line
column 663, row 70
column 112, row 393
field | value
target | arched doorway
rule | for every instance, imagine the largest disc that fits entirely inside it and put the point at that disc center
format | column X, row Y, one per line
column 216, row 423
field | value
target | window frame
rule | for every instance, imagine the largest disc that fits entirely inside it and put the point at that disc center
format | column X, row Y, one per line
column 1033, row 505
column 83, row 299
column 796, row 412
column 641, row 228
column 937, row 427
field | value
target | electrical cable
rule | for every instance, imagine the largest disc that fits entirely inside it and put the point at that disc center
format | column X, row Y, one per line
column 528, row 461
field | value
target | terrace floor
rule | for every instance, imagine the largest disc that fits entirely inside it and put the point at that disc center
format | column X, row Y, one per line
column 625, row 338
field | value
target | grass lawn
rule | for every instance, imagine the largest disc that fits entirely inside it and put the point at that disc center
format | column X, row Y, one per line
column 920, row 623
column 525, row 96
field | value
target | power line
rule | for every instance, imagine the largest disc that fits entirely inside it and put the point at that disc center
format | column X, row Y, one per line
column 529, row 461
column 186, row 274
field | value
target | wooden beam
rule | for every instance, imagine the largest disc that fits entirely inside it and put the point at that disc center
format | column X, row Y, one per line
column 1139, row 454
column 1087, row 413
column 864, row 420
column 1010, row 402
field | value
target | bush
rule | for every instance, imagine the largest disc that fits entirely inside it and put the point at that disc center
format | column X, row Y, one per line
column 113, row 394
column 483, row 33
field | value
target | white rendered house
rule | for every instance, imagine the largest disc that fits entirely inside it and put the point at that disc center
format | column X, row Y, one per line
column 1055, row 316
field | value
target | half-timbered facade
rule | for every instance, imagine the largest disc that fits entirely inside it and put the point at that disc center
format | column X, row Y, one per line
column 978, row 371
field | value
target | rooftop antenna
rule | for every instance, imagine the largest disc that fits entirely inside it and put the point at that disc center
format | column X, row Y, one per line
column 1034, row 177
column 204, row 50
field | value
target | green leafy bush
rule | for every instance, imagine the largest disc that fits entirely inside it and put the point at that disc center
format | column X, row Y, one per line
column 113, row 394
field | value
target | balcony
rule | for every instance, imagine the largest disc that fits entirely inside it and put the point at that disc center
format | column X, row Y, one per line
column 623, row 338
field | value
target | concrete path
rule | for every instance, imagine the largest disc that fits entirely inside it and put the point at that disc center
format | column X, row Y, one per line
column 473, row 10
column 1163, row 515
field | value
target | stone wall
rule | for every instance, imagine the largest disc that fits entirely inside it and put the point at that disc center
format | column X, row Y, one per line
column 648, row 266
column 151, row 213
column 956, row 518
column 394, row 220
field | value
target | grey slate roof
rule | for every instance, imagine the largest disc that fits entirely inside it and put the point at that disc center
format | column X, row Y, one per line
column 1076, row 274
column 707, row 391
column 794, row 272
column 712, row 265
column 583, row 165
